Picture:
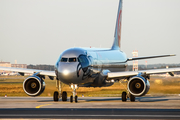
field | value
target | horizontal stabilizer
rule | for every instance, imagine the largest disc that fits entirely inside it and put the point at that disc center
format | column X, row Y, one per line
column 149, row 57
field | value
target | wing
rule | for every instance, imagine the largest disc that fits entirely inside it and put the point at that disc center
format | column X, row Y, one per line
column 149, row 57
column 31, row 71
column 112, row 75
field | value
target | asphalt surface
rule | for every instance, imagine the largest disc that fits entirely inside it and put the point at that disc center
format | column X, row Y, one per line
column 90, row 108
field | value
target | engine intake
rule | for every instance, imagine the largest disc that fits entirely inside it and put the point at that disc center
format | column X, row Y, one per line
column 138, row 86
column 33, row 86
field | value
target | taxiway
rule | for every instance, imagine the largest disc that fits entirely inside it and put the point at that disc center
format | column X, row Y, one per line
column 91, row 108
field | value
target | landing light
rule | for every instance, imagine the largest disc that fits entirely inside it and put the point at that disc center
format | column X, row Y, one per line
column 65, row 72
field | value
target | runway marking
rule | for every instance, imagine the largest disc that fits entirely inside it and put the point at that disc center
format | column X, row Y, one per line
column 42, row 105
column 73, row 115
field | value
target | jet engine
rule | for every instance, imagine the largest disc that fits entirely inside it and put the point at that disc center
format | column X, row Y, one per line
column 33, row 86
column 138, row 86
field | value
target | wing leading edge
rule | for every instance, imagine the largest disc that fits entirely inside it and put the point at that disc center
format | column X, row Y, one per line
column 113, row 75
column 149, row 57
column 31, row 71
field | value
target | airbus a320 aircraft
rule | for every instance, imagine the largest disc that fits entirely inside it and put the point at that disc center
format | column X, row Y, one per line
column 89, row 67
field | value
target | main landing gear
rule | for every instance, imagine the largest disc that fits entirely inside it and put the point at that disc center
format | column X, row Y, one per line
column 125, row 96
column 58, row 94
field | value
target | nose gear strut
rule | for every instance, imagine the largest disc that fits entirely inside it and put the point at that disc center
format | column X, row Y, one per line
column 74, row 87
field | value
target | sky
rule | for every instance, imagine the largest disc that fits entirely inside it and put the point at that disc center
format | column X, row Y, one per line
column 38, row 31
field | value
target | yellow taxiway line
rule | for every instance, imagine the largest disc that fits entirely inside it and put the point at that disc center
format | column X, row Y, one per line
column 42, row 105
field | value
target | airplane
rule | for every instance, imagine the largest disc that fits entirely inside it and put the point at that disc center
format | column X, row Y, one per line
column 13, row 74
column 92, row 67
column 4, row 74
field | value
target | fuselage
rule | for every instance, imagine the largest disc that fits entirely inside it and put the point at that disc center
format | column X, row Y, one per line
column 87, row 66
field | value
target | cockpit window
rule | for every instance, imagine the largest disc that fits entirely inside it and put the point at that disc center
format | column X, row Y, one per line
column 64, row 59
column 72, row 60
column 68, row 59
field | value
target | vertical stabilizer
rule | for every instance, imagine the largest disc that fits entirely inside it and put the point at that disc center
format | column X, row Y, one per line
column 117, row 34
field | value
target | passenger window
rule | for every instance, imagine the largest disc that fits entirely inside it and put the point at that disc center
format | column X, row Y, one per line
column 72, row 60
column 64, row 59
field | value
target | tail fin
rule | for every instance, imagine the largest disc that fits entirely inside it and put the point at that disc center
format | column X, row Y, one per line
column 117, row 34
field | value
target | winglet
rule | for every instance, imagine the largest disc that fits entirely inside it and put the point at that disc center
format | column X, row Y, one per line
column 117, row 35
column 173, row 55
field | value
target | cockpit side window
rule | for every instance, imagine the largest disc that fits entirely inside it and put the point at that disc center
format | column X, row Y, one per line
column 72, row 60
column 83, row 59
column 64, row 59
column 84, row 62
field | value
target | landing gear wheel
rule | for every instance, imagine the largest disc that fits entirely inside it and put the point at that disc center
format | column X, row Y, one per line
column 64, row 96
column 76, row 98
column 132, row 98
column 56, row 96
column 71, row 99
column 124, row 98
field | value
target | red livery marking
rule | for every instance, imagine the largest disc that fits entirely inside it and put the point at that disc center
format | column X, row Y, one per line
column 99, row 54
column 119, row 28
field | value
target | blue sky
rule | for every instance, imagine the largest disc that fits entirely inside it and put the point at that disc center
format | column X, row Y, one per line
column 37, row 32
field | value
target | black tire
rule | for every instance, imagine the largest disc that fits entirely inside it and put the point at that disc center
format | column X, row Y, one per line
column 56, row 96
column 71, row 99
column 64, row 96
column 124, row 96
column 76, row 98
column 132, row 98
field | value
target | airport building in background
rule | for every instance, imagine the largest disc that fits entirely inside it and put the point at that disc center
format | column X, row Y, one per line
column 8, row 64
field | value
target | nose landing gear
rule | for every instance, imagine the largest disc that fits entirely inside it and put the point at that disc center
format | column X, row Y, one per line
column 74, row 87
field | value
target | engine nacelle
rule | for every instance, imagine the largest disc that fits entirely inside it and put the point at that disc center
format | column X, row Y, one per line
column 138, row 86
column 33, row 86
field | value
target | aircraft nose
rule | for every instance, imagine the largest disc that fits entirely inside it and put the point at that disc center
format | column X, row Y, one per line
column 67, row 73
column 74, row 72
